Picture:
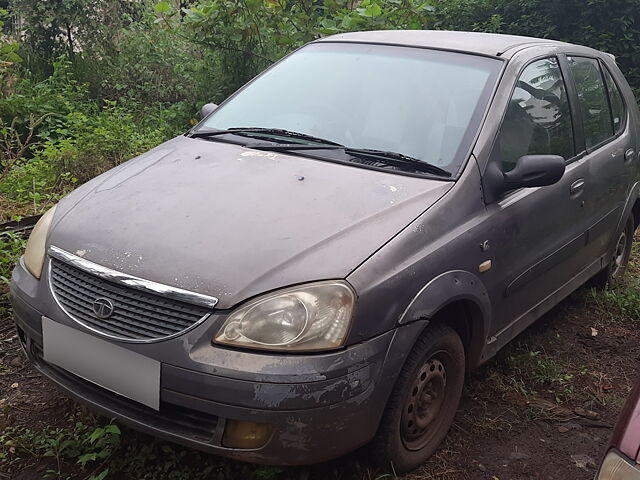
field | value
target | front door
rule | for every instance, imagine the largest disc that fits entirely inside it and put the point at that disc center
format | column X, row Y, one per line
column 539, row 232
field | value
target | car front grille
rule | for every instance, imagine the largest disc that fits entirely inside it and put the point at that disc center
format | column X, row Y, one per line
column 137, row 315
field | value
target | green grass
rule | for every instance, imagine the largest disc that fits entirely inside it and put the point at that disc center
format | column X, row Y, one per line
column 88, row 449
column 623, row 302
column 77, row 446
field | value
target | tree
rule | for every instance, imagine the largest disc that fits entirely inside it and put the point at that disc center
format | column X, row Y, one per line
column 609, row 25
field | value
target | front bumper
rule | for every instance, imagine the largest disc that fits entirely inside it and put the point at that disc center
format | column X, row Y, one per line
column 319, row 406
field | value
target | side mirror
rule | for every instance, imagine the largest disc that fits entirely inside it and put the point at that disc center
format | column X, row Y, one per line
column 207, row 109
column 535, row 171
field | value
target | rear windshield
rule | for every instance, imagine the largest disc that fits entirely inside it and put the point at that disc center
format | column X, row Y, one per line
column 422, row 103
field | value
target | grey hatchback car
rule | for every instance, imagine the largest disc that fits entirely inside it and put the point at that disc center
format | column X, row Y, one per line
column 316, row 265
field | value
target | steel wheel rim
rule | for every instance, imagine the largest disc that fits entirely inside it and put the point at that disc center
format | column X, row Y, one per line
column 618, row 257
column 424, row 404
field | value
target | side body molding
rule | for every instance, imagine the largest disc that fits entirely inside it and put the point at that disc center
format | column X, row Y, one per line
column 447, row 288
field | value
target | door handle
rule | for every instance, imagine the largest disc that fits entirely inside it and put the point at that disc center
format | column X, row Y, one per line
column 576, row 187
column 629, row 154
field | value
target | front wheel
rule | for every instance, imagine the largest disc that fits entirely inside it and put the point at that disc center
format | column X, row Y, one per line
column 424, row 401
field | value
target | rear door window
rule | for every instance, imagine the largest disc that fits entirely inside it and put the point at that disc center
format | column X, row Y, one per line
column 592, row 97
column 617, row 104
column 538, row 119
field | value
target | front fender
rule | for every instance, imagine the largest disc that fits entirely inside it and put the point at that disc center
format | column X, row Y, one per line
column 444, row 289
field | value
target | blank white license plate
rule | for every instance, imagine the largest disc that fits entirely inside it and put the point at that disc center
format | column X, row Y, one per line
column 112, row 367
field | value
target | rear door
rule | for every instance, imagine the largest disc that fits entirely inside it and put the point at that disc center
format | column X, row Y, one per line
column 610, row 150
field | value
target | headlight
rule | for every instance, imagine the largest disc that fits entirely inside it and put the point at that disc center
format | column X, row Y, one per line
column 614, row 467
column 305, row 318
column 34, row 253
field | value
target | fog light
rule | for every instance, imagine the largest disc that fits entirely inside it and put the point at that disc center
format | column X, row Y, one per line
column 238, row 434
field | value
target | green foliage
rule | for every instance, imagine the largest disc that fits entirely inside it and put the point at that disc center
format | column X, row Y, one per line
column 87, row 445
column 8, row 48
column 249, row 35
column 78, row 29
column 85, row 144
column 57, row 96
column 75, row 138
column 620, row 303
column 11, row 246
column 623, row 302
column 609, row 25
column 151, row 65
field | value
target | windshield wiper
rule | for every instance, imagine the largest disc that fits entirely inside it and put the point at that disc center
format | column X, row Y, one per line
column 399, row 158
column 261, row 132
column 393, row 158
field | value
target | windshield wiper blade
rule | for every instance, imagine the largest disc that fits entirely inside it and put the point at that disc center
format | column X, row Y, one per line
column 399, row 159
column 393, row 158
column 260, row 131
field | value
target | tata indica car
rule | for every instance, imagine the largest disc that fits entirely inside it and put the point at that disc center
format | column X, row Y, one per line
column 622, row 460
column 317, row 263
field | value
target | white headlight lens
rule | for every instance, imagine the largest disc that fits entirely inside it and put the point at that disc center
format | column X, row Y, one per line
column 34, row 253
column 305, row 318
column 614, row 467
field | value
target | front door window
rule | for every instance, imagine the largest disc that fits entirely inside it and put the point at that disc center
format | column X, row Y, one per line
column 538, row 119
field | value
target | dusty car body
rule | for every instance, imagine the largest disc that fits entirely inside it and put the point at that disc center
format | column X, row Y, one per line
column 286, row 296
column 622, row 460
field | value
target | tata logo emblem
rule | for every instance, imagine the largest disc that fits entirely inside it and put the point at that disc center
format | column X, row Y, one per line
column 103, row 307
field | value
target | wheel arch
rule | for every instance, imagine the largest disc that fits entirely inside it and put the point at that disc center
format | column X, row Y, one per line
column 459, row 299
column 636, row 213
column 632, row 208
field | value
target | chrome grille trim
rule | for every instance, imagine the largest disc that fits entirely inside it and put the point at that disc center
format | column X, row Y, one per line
column 143, row 315
column 131, row 281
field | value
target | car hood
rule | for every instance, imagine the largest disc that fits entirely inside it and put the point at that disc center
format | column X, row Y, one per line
column 232, row 222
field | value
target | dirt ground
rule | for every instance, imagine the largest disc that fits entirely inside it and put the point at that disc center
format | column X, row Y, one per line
column 542, row 409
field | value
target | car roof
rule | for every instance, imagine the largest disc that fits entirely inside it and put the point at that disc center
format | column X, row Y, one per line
column 492, row 44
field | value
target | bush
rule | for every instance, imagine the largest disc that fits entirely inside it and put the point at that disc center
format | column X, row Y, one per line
column 150, row 65
column 609, row 25
column 86, row 145
column 58, row 95
column 11, row 246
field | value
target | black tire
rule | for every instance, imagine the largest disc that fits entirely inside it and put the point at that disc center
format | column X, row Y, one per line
column 415, row 423
column 613, row 274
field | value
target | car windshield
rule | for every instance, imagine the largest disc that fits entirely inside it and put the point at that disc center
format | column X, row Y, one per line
column 421, row 103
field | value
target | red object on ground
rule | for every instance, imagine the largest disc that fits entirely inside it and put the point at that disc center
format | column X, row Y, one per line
column 626, row 435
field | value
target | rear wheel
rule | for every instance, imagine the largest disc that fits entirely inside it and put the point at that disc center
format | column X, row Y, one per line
column 613, row 274
column 424, row 401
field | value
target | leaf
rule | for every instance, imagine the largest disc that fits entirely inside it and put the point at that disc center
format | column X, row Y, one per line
column 372, row 10
column 112, row 428
column 96, row 434
column 87, row 457
column 101, row 476
column 162, row 7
